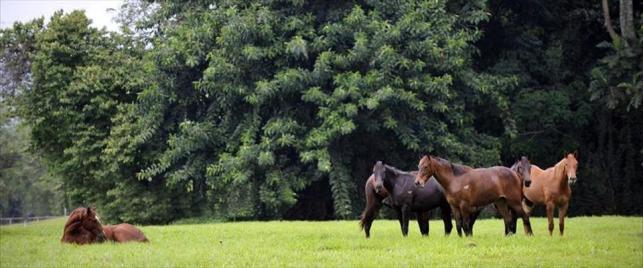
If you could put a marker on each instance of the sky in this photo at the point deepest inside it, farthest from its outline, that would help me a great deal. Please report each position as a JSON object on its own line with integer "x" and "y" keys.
{"x": 26, "y": 10}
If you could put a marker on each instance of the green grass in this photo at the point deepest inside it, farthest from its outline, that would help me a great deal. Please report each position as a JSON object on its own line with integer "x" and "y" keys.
{"x": 589, "y": 241}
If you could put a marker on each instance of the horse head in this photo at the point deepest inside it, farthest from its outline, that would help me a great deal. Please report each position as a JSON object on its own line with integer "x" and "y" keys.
{"x": 522, "y": 167}
{"x": 379, "y": 172}
{"x": 425, "y": 170}
{"x": 571, "y": 164}
{"x": 83, "y": 226}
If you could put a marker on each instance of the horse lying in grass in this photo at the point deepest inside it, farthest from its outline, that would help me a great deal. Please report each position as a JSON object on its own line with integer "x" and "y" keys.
{"x": 405, "y": 198}
{"x": 83, "y": 227}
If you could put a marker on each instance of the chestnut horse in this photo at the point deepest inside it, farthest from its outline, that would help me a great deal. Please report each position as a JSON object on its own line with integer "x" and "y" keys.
{"x": 404, "y": 198}
{"x": 551, "y": 188}
{"x": 469, "y": 190}
{"x": 83, "y": 227}
{"x": 123, "y": 232}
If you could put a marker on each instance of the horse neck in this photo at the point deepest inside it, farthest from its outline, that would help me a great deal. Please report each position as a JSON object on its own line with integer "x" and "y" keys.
{"x": 559, "y": 174}
{"x": 444, "y": 173}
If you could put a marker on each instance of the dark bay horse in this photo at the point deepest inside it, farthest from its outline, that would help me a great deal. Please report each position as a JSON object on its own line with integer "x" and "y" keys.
{"x": 404, "y": 198}
{"x": 469, "y": 190}
{"x": 83, "y": 227}
{"x": 123, "y": 232}
{"x": 551, "y": 188}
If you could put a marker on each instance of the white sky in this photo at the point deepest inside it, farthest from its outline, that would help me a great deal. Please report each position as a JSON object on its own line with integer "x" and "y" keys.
{"x": 26, "y": 10}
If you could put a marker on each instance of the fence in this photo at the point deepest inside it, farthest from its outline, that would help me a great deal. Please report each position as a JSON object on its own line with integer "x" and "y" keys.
{"x": 24, "y": 220}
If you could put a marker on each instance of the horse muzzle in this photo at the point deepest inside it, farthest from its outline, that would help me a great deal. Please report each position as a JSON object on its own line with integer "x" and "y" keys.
{"x": 527, "y": 183}
{"x": 378, "y": 189}
{"x": 101, "y": 238}
{"x": 571, "y": 181}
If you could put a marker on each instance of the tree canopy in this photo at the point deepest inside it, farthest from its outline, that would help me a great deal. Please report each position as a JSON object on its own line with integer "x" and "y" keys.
{"x": 278, "y": 109}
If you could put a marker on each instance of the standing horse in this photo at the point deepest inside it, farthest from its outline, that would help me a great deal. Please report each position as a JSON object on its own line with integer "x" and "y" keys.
{"x": 387, "y": 181}
{"x": 123, "y": 232}
{"x": 522, "y": 169}
{"x": 469, "y": 190}
{"x": 83, "y": 227}
{"x": 551, "y": 188}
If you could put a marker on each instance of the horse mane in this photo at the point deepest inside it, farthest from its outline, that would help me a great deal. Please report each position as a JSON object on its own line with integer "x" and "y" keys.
{"x": 458, "y": 169}
{"x": 77, "y": 215}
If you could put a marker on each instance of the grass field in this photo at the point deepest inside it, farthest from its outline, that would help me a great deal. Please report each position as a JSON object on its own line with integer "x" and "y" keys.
{"x": 588, "y": 242}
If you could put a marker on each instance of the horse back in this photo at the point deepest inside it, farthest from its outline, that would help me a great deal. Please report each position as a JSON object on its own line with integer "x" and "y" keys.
{"x": 124, "y": 232}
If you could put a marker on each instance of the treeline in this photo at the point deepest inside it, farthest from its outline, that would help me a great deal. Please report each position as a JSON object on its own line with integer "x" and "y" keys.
{"x": 278, "y": 109}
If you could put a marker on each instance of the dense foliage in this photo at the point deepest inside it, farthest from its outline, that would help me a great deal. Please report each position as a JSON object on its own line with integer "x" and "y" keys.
{"x": 278, "y": 109}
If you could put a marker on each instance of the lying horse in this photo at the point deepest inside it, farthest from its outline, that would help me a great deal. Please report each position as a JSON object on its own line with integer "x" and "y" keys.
{"x": 123, "y": 232}
{"x": 551, "y": 188}
{"x": 469, "y": 190}
{"x": 387, "y": 181}
{"x": 83, "y": 227}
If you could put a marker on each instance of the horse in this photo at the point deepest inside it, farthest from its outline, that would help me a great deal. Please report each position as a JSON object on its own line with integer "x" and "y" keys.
{"x": 551, "y": 188}
{"x": 83, "y": 227}
{"x": 522, "y": 169}
{"x": 469, "y": 190}
{"x": 404, "y": 198}
{"x": 123, "y": 232}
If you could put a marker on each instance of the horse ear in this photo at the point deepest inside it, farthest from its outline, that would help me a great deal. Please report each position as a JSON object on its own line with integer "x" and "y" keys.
{"x": 576, "y": 154}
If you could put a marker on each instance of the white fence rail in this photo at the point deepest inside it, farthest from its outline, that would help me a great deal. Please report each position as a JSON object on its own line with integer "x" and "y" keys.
{"x": 25, "y": 220}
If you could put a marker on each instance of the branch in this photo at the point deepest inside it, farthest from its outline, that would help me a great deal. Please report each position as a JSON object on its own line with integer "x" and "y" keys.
{"x": 608, "y": 21}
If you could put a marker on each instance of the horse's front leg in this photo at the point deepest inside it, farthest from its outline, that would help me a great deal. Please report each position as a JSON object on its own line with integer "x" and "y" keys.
{"x": 458, "y": 219}
{"x": 550, "y": 217}
{"x": 403, "y": 218}
{"x": 423, "y": 222}
{"x": 446, "y": 218}
{"x": 466, "y": 221}
{"x": 562, "y": 212}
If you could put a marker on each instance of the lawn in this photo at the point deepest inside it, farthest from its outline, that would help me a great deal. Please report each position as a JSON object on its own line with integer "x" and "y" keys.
{"x": 608, "y": 241}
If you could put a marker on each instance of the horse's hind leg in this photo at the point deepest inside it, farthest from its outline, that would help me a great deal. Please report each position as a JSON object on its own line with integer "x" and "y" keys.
{"x": 423, "y": 222}
{"x": 446, "y": 218}
{"x": 373, "y": 205}
{"x": 562, "y": 212}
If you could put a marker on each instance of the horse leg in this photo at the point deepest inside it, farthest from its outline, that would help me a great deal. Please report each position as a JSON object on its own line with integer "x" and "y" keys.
{"x": 423, "y": 222}
{"x": 473, "y": 217}
{"x": 501, "y": 206}
{"x": 517, "y": 210}
{"x": 562, "y": 212}
{"x": 373, "y": 205}
{"x": 446, "y": 218}
{"x": 466, "y": 222}
{"x": 458, "y": 220}
{"x": 550, "y": 217}
{"x": 405, "y": 220}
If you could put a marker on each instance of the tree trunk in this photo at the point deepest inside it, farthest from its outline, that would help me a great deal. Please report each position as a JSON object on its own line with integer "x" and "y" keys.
{"x": 608, "y": 21}
{"x": 627, "y": 21}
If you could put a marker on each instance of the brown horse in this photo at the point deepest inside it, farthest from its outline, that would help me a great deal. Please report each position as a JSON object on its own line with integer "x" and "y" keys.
{"x": 469, "y": 190}
{"x": 551, "y": 188}
{"x": 123, "y": 232}
{"x": 83, "y": 227}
